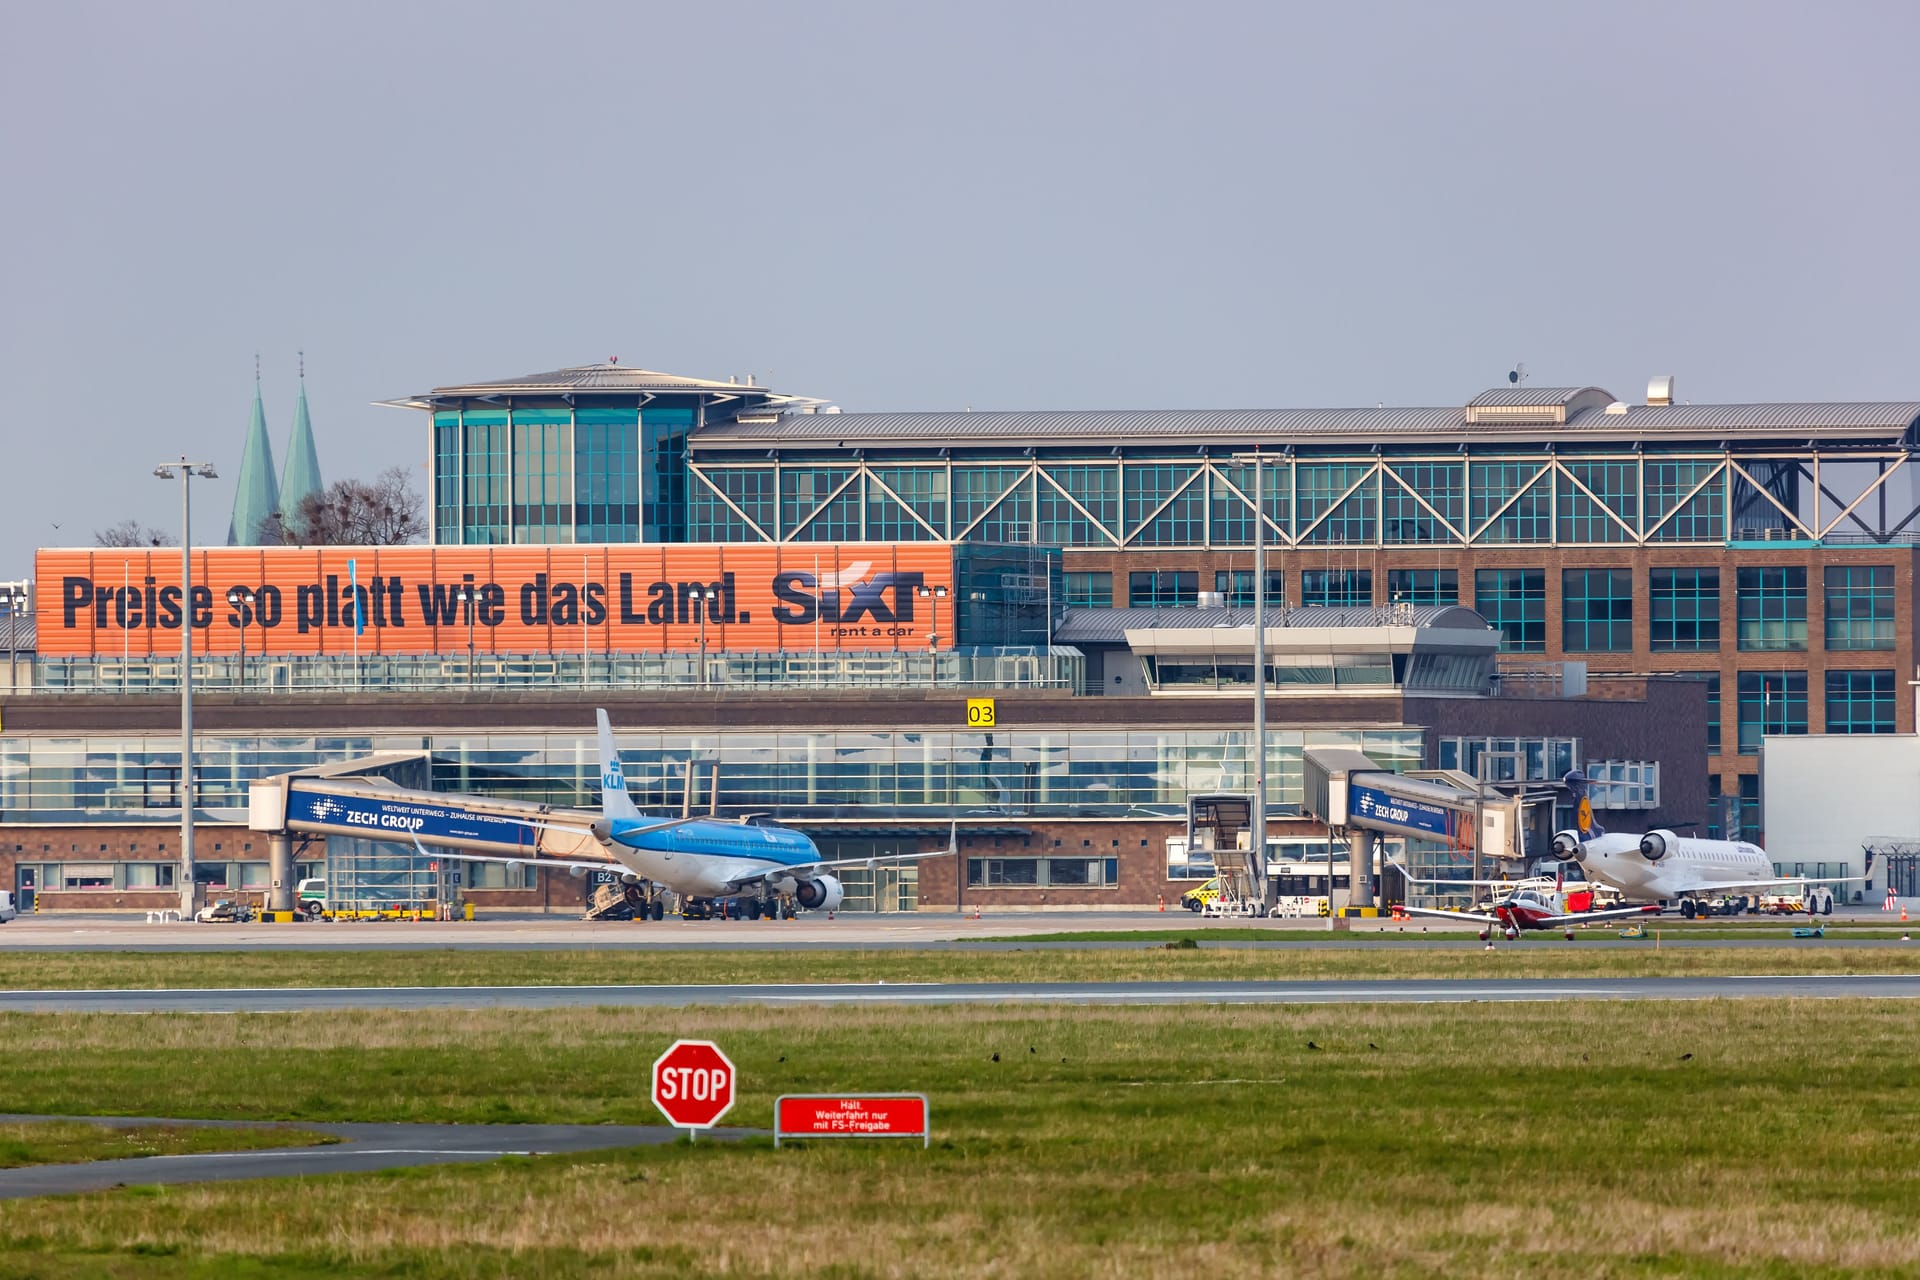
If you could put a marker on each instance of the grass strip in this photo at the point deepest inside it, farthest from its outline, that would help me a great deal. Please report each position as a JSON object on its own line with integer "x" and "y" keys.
{"x": 1767, "y": 1138}
{"x": 1154, "y": 961}
{"x": 74, "y": 1142}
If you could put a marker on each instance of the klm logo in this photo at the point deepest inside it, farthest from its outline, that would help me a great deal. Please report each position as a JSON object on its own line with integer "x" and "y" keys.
{"x": 612, "y": 779}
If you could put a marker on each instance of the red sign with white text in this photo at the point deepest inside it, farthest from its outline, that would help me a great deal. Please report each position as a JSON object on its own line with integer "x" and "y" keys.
{"x": 896, "y": 1115}
{"x": 693, "y": 1084}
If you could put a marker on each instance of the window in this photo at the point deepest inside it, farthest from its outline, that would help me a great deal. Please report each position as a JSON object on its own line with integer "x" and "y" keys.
{"x": 1743, "y": 813}
{"x": 1773, "y": 609}
{"x": 1163, "y": 589}
{"x": 1423, "y": 586}
{"x": 1683, "y": 613}
{"x": 1771, "y": 702}
{"x": 1859, "y": 702}
{"x": 497, "y": 875}
{"x": 1337, "y": 588}
{"x": 1624, "y": 784}
{"x": 1514, "y": 600}
{"x": 1237, "y": 586}
{"x": 1596, "y": 610}
{"x": 1715, "y": 826}
{"x": 1088, "y": 590}
{"x": 1041, "y": 873}
{"x": 1859, "y": 606}
{"x": 150, "y": 875}
{"x": 1511, "y": 759}
{"x": 1713, "y": 715}
{"x": 86, "y": 875}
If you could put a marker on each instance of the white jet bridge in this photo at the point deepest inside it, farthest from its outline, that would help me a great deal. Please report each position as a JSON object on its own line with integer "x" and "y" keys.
{"x": 1361, "y": 801}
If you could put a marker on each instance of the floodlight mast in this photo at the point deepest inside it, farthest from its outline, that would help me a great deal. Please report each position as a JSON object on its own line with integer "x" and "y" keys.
{"x": 186, "y": 471}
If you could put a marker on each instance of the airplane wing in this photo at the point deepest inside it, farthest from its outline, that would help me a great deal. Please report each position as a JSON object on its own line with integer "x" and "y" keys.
{"x": 1473, "y": 916}
{"x": 1509, "y": 882}
{"x": 1611, "y": 913}
{"x": 531, "y": 860}
{"x": 1723, "y": 886}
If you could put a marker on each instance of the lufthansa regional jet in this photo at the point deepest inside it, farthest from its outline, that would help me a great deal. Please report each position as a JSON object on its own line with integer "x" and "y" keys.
{"x": 704, "y": 857}
{"x": 1664, "y": 866}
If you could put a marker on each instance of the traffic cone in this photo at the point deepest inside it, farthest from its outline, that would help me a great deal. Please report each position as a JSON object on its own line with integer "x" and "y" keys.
{"x": 1163, "y": 902}
{"x": 1903, "y": 913}
{"x": 976, "y": 911}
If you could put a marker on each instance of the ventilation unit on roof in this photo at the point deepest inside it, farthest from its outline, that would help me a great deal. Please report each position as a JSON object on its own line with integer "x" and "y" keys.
{"x": 1617, "y": 407}
{"x": 1660, "y": 389}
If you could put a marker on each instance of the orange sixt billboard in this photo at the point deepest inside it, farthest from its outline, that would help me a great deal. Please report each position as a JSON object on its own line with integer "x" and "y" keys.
{"x": 607, "y": 599}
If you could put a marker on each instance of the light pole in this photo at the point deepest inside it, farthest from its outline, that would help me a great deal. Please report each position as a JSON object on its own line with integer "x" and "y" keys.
{"x": 242, "y": 601}
{"x": 1257, "y": 810}
{"x": 466, "y": 595}
{"x": 933, "y": 595}
{"x": 699, "y": 596}
{"x": 16, "y": 601}
{"x": 186, "y": 471}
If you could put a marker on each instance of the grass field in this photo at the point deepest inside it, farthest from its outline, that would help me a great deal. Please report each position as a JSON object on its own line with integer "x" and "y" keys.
{"x": 1708, "y": 1138}
{"x": 72, "y": 1142}
{"x": 1541, "y": 958}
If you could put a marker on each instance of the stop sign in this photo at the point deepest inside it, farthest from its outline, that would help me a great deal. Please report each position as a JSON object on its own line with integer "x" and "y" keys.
{"x": 693, "y": 1084}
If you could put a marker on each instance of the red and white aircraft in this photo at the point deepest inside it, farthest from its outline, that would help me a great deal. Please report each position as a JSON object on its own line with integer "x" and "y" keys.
{"x": 1528, "y": 910}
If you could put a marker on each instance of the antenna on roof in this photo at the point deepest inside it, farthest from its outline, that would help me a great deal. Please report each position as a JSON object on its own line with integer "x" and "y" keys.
{"x": 1517, "y": 374}
{"x": 613, "y": 359}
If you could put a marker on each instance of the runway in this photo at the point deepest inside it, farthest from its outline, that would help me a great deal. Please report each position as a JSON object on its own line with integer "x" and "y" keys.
{"x": 362, "y": 1148}
{"x": 1328, "y": 991}
{"x": 916, "y": 931}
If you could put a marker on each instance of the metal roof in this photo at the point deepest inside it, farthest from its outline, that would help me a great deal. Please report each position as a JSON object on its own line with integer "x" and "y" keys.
{"x": 1109, "y": 626}
{"x": 590, "y": 377}
{"x": 1504, "y": 396}
{"x": 1884, "y": 422}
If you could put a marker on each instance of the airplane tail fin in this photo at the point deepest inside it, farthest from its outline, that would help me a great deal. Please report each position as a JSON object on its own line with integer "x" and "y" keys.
{"x": 614, "y": 800}
{"x": 1583, "y": 819}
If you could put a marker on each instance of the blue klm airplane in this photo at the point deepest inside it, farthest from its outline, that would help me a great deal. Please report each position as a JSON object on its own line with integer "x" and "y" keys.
{"x": 703, "y": 857}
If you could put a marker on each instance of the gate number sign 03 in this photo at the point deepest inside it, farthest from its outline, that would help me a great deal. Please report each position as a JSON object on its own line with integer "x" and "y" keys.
{"x": 874, "y": 1115}
{"x": 980, "y": 713}
{"x": 693, "y": 1084}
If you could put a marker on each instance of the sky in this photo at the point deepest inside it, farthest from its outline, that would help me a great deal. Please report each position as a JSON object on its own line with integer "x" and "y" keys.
{"x": 923, "y": 206}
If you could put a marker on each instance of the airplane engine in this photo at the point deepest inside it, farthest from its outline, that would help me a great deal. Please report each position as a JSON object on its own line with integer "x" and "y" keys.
{"x": 1567, "y": 847}
{"x": 576, "y": 871}
{"x": 602, "y": 830}
{"x": 628, "y": 877}
{"x": 1655, "y": 844}
{"x": 820, "y": 894}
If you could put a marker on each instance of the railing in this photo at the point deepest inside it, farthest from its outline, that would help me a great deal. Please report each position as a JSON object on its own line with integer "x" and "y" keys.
{"x": 1001, "y": 668}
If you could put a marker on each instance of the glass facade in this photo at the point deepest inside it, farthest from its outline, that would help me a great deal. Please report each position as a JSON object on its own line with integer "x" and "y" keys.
{"x": 1860, "y": 701}
{"x": 1423, "y": 586}
{"x": 1859, "y": 606}
{"x": 1514, "y": 600}
{"x": 821, "y": 774}
{"x": 1773, "y": 609}
{"x": 1236, "y": 586}
{"x": 1683, "y": 613}
{"x": 1771, "y": 702}
{"x": 1596, "y": 610}
{"x": 1088, "y": 590}
{"x": 1163, "y": 589}
{"x": 555, "y": 473}
{"x": 1337, "y": 588}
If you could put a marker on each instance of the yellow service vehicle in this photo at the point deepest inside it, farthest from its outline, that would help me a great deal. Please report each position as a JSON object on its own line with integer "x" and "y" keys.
{"x": 1197, "y": 899}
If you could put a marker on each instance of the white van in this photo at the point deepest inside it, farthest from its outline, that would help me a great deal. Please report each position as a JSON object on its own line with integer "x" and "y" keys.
{"x": 7, "y": 911}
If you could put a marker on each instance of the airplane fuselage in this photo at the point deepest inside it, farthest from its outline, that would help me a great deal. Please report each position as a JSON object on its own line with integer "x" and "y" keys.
{"x": 1688, "y": 866}
{"x": 706, "y": 858}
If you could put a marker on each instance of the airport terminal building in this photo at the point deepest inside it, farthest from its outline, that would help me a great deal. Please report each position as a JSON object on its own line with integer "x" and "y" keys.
{"x": 800, "y": 600}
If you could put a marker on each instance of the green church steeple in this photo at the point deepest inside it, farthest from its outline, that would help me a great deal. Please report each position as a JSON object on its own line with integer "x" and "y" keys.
{"x": 302, "y": 477}
{"x": 256, "y": 497}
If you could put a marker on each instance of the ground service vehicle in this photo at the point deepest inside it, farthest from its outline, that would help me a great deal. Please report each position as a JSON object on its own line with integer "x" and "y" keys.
{"x": 7, "y": 910}
{"x": 310, "y": 898}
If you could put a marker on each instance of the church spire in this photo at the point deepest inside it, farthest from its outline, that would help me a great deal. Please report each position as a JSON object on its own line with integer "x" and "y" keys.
{"x": 256, "y": 497}
{"x": 302, "y": 477}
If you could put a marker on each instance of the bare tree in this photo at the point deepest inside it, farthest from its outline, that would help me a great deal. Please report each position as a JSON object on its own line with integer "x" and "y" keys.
{"x": 383, "y": 512}
{"x": 131, "y": 533}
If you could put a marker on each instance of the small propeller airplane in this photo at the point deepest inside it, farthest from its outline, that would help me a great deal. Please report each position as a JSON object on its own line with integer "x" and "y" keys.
{"x": 702, "y": 857}
{"x": 1528, "y": 905}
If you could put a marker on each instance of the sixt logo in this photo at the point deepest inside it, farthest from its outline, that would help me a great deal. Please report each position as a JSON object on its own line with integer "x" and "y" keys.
{"x": 843, "y": 597}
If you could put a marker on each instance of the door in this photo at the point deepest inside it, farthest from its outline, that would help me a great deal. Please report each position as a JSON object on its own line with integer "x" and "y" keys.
{"x": 26, "y": 880}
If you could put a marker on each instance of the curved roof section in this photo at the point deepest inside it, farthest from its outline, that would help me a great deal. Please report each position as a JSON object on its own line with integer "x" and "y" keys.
{"x": 1877, "y": 422}
{"x": 1109, "y": 626}
{"x": 588, "y": 377}
{"x": 1509, "y": 396}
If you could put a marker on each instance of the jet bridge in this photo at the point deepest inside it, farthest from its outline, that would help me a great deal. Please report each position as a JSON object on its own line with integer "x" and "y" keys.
{"x": 1362, "y": 801}
{"x": 362, "y": 799}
